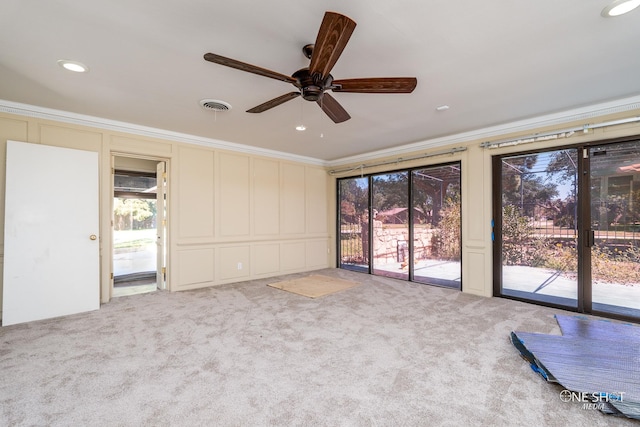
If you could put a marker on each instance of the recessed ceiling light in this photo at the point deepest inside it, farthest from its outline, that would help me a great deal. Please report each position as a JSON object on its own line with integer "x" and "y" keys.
{"x": 619, "y": 7}
{"x": 442, "y": 108}
{"x": 75, "y": 66}
{"x": 301, "y": 128}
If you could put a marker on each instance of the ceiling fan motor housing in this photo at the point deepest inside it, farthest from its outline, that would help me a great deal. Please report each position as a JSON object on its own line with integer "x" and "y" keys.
{"x": 312, "y": 87}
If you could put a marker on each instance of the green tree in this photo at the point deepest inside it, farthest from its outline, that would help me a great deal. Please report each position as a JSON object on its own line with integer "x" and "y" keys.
{"x": 427, "y": 196}
{"x": 446, "y": 240}
{"x": 528, "y": 192}
{"x": 517, "y": 232}
{"x": 563, "y": 166}
{"x": 391, "y": 191}
{"x": 133, "y": 214}
{"x": 354, "y": 199}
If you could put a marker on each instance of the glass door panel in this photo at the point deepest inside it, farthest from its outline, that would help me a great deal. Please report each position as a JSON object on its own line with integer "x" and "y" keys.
{"x": 391, "y": 225}
{"x": 134, "y": 240}
{"x": 539, "y": 258}
{"x": 354, "y": 223}
{"x": 615, "y": 228}
{"x": 436, "y": 225}
{"x": 134, "y": 229}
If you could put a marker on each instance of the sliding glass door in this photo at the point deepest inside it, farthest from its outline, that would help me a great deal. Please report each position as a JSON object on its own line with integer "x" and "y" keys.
{"x": 403, "y": 224}
{"x": 567, "y": 228}
{"x": 538, "y": 226}
{"x": 436, "y": 225}
{"x": 614, "y": 238}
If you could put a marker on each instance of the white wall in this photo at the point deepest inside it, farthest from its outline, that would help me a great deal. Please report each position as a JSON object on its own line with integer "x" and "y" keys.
{"x": 231, "y": 216}
{"x": 245, "y": 217}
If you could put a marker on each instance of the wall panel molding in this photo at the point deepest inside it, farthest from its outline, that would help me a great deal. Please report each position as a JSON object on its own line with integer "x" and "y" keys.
{"x": 195, "y": 267}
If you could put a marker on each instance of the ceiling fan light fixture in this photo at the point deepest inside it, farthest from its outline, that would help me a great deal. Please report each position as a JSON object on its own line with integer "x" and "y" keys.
{"x": 619, "y": 7}
{"x": 75, "y": 66}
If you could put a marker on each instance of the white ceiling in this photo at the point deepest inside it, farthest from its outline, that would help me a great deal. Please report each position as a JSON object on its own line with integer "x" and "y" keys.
{"x": 493, "y": 62}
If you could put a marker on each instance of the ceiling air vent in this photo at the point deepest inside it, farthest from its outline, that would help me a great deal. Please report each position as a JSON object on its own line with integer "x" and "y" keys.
{"x": 215, "y": 105}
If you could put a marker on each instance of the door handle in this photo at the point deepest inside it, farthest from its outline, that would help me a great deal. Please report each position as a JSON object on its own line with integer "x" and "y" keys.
{"x": 590, "y": 238}
{"x": 93, "y": 237}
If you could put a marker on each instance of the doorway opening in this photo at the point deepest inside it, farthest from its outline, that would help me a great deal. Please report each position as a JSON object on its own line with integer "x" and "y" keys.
{"x": 138, "y": 226}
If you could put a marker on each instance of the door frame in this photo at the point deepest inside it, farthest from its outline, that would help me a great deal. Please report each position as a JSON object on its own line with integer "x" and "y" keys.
{"x": 167, "y": 235}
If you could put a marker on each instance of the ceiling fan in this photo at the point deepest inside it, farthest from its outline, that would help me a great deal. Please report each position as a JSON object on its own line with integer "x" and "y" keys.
{"x": 313, "y": 82}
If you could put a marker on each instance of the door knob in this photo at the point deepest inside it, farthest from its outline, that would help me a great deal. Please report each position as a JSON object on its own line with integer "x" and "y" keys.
{"x": 93, "y": 237}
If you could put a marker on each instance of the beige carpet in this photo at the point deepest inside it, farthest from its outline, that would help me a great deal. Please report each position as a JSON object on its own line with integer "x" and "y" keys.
{"x": 314, "y": 286}
{"x": 387, "y": 353}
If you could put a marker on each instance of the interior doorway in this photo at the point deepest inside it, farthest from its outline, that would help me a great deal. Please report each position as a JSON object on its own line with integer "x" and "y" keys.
{"x": 139, "y": 225}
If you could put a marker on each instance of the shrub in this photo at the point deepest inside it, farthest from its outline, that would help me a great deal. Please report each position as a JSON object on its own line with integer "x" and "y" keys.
{"x": 615, "y": 265}
{"x": 517, "y": 232}
{"x": 446, "y": 238}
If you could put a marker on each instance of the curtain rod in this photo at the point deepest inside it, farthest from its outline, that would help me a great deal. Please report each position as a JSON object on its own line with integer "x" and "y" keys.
{"x": 564, "y": 133}
{"x": 398, "y": 160}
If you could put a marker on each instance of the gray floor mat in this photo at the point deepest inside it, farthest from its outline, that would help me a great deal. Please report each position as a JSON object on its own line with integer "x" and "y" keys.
{"x": 595, "y": 357}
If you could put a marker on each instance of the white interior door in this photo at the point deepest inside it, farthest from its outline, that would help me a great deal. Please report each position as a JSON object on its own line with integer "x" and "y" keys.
{"x": 51, "y": 259}
{"x": 161, "y": 184}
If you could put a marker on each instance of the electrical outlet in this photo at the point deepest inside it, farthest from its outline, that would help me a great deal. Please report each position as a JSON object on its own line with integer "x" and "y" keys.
{"x": 239, "y": 266}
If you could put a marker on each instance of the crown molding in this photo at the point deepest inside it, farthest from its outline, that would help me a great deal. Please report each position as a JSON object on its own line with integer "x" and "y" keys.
{"x": 555, "y": 119}
{"x": 117, "y": 126}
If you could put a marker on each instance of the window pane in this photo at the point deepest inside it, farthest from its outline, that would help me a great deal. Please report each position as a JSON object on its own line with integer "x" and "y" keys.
{"x": 539, "y": 227}
{"x": 436, "y": 225}
{"x": 615, "y": 221}
{"x": 354, "y": 223}
{"x": 134, "y": 240}
{"x": 391, "y": 225}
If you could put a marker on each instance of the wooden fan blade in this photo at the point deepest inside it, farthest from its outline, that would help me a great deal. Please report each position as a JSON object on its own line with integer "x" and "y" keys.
{"x": 212, "y": 57}
{"x": 274, "y": 102}
{"x": 332, "y": 38}
{"x": 333, "y": 109}
{"x": 377, "y": 85}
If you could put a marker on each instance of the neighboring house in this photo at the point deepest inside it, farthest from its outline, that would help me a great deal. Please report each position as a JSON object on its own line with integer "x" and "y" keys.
{"x": 400, "y": 216}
